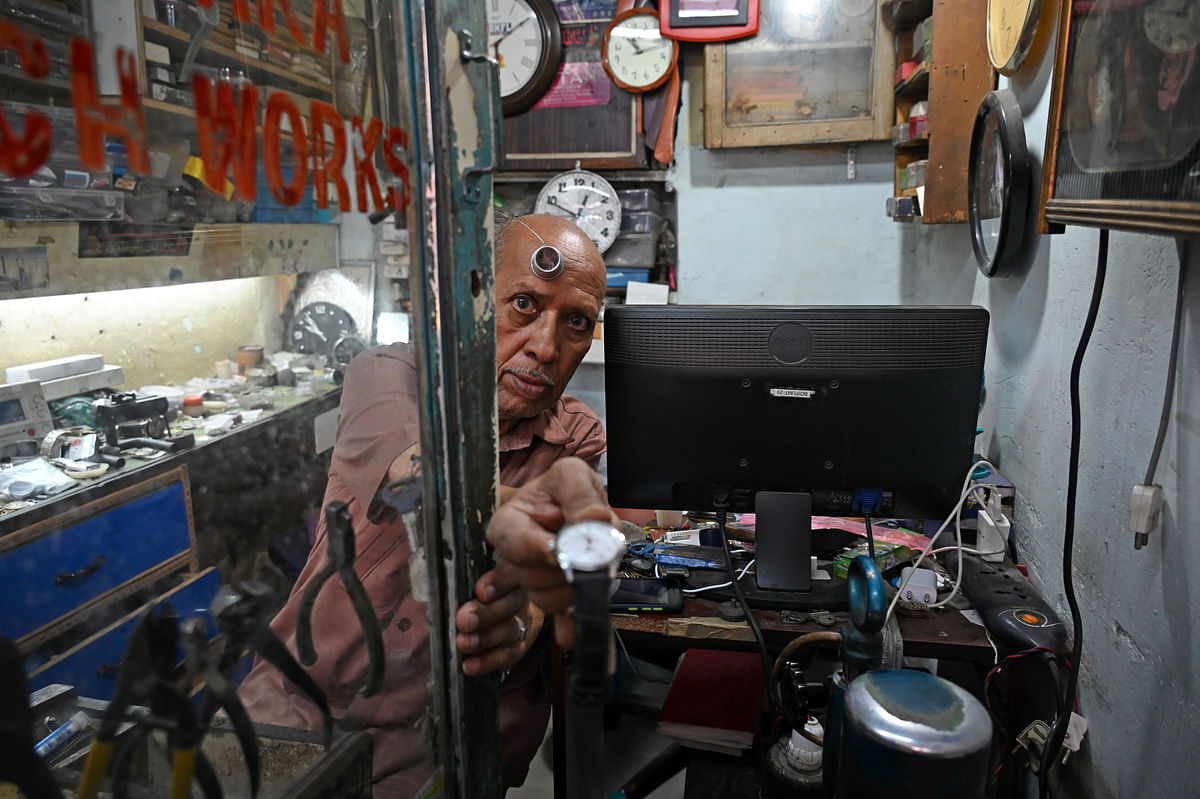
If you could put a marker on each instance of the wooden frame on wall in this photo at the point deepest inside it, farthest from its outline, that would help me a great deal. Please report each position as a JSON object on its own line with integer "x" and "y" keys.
{"x": 781, "y": 46}
{"x": 1123, "y": 136}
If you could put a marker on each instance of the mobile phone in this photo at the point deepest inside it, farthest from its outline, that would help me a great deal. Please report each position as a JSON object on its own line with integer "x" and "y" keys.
{"x": 645, "y": 595}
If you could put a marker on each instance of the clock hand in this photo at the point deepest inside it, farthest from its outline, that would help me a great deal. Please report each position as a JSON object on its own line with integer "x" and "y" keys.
{"x": 312, "y": 327}
{"x": 511, "y": 31}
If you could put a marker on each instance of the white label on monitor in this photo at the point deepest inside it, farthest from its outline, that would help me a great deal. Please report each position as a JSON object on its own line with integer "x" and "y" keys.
{"x": 794, "y": 393}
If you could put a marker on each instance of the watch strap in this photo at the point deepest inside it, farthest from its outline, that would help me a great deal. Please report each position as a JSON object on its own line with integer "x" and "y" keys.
{"x": 591, "y": 621}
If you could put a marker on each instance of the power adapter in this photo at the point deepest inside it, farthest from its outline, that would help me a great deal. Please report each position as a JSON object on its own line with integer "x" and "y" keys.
{"x": 991, "y": 538}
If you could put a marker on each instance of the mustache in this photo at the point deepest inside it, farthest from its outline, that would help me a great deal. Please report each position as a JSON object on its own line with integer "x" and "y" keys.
{"x": 532, "y": 374}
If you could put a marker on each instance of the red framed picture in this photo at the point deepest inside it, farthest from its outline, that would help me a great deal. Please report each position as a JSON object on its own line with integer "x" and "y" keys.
{"x": 709, "y": 20}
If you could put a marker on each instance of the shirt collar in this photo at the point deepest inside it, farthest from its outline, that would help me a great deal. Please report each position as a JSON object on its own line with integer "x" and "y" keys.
{"x": 546, "y": 426}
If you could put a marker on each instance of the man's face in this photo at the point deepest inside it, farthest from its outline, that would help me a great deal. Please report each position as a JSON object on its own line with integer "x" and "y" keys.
{"x": 543, "y": 327}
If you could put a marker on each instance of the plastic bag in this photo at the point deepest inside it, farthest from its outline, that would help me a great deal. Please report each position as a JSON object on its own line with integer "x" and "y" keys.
{"x": 32, "y": 479}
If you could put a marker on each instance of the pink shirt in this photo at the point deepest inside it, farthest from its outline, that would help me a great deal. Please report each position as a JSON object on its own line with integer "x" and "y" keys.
{"x": 379, "y": 421}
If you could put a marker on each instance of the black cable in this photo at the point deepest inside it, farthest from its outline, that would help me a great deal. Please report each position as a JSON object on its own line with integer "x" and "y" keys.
{"x": 1165, "y": 417}
{"x": 741, "y": 598}
{"x": 870, "y": 536}
{"x": 1058, "y": 730}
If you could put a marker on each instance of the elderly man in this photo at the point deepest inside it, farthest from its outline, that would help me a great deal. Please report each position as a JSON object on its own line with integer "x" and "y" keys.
{"x": 549, "y": 288}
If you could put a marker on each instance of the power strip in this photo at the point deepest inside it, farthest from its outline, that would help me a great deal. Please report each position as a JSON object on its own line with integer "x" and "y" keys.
{"x": 1013, "y": 611}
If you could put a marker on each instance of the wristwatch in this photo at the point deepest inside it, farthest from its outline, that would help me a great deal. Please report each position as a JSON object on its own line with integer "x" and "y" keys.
{"x": 589, "y": 552}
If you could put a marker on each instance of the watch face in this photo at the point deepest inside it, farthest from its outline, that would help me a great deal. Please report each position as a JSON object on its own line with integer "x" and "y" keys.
{"x": 586, "y": 199}
{"x": 1010, "y": 32}
{"x": 635, "y": 54}
{"x": 525, "y": 39}
{"x": 317, "y": 327}
{"x": 588, "y": 546}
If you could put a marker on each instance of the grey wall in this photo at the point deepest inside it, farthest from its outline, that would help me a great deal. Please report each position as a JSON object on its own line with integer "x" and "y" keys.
{"x": 786, "y": 226}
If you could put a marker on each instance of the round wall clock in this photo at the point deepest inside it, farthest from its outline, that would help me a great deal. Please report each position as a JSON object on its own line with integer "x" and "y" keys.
{"x": 317, "y": 327}
{"x": 1012, "y": 25}
{"x": 635, "y": 54}
{"x": 586, "y": 199}
{"x": 525, "y": 38}
{"x": 998, "y": 184}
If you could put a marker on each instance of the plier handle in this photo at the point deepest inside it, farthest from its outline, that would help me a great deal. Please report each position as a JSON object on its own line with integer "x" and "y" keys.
{"x": 241, "y": 614}
{"x": 339, "y": 527}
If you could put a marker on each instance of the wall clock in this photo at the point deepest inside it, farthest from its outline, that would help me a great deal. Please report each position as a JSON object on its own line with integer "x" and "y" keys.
{"x": 998, "y": 185}
{"x": 635, "y": 54}
{"x": 1012, "y": 26}
{"x": 586, "y": 199}
{"x": 317, "y": 327}
{"x": 525, "y": 38}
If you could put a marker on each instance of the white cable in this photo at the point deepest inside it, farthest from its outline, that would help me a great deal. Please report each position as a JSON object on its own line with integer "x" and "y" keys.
{"x": 956, "y": 517}
{"x": 725, "y": 584}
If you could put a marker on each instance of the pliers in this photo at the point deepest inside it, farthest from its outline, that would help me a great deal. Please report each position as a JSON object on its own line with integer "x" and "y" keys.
{"x": 146, "y": 678}
{"x": 220, "y": 691}
{"x": 241, "y": 614}
{"x": 340, "y": 529}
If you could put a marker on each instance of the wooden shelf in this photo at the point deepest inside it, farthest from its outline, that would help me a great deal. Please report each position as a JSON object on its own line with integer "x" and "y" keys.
{"x": 952, "y": 81}
{"x": 263, "y": 73}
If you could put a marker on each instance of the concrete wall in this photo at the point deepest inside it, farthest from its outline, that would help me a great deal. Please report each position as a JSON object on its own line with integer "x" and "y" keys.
{"x": 786, "y": 226}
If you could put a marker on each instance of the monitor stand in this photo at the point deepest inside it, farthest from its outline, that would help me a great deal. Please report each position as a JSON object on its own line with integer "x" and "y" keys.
{"x": 783, "y": 541}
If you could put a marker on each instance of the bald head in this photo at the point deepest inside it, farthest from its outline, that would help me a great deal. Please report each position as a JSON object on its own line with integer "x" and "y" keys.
{"x": 543, "y": 326}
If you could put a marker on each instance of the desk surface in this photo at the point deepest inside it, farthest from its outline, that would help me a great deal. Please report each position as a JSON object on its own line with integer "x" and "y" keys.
{"x": 942, "y": 633}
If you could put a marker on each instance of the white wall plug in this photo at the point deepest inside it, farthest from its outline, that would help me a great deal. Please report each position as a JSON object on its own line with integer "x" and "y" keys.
{"x": 1144, "y": 507}
{"x": 991, "y": 537}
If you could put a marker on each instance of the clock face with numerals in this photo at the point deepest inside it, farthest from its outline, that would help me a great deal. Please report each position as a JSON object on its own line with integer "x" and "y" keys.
{"x": 318, "y": 326}
{"x": 635, "y": 54}
{"x": 586, "y": 199}
{"x": 525, "y": 38}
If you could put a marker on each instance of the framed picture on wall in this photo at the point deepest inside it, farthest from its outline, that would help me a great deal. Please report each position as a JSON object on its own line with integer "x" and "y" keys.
{"x": 1123, "y": 137}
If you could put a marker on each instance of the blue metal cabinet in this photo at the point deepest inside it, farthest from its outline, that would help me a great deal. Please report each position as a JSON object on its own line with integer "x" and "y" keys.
{"x": 63, "y": 570}
{"x": 92, "y": 665}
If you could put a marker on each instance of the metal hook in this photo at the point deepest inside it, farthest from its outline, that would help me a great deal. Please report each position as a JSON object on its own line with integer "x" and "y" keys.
{"x": 464, "y": 49}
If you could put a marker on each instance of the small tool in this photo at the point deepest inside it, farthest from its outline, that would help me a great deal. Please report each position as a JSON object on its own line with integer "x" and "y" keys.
{"x": 220, "y": 691}
{"x": 241, "y": 614}
{"x": 340, "y": 529}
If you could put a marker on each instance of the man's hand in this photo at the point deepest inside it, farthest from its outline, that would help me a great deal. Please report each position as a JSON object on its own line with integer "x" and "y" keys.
{"x": 523, "y": 527}
{"x": 496, "y": 629}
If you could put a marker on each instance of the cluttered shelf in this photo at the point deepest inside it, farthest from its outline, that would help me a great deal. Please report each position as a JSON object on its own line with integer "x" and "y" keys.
{"x": 237, "y": 457}
{"x": 263, "y": 72}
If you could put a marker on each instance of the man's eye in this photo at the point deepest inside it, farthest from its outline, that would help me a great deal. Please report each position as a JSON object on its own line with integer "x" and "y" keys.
{"x": 522, "y": 303}
{"x": 580, "y": 322}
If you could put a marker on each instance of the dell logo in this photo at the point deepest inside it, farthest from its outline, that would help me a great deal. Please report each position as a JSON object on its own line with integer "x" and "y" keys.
{"x": 790, "y": 343}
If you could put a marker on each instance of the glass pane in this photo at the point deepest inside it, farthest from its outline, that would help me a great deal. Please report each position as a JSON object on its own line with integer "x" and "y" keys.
{"x": 200, "y": 275}
{"x": 812, "y": 60}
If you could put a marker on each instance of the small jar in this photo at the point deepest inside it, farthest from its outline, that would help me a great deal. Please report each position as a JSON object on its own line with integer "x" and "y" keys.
{"x": 193, "y": 405}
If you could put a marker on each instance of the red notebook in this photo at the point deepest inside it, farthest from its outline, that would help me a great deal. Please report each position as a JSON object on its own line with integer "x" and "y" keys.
{"x": 714, "y": 700}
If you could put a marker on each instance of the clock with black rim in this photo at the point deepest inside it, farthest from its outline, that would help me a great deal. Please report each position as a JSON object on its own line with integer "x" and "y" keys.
{"x": 318, "y": 327}
{"x": 525, "y": 38}
{"x": 636, "y": 56}
{"x": 586, "y": 199}
{"x": 999, "y": 177}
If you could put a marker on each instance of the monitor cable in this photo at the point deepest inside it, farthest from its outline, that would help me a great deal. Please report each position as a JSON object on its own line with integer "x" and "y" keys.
{"x": 1058, "y": 730}
{"x": 768, "y": 661}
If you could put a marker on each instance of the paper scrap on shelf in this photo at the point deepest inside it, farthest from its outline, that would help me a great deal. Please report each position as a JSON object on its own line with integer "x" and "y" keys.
{"x": 637, "y": 293}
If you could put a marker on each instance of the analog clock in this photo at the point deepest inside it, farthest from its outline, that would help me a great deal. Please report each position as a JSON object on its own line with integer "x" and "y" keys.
{"x": 635, "y": 54}
{"x": 317, "y": 327}
{"x": 999, "y": 176}
{"x": 1012, "y": 25}
{"x": 526, "y": 40}
{"x": 586, "y": 199}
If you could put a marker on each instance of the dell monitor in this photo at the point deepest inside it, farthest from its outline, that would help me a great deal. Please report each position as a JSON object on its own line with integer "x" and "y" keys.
{"x": 790, "y": 410}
